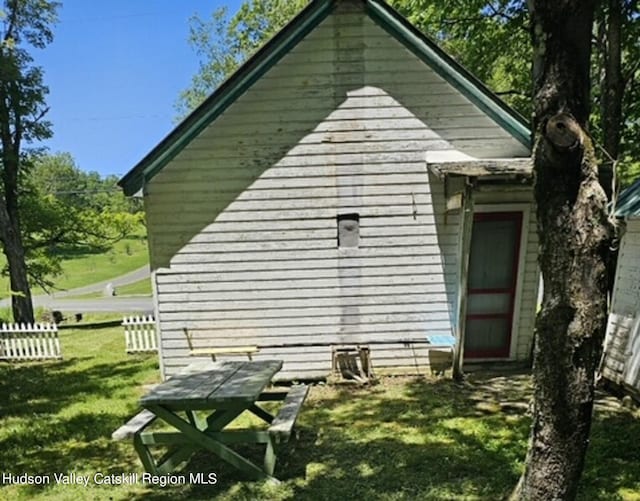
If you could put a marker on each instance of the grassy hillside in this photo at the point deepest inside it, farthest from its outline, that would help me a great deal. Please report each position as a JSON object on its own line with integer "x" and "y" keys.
{"x": 84, "y": 267}
{"x": 140, "y": 288}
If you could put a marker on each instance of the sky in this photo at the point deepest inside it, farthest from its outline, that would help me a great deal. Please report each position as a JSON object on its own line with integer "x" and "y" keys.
{"x": 114, "y": 72}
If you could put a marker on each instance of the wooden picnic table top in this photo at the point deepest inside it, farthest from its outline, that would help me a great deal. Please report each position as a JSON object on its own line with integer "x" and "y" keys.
{"x": 217, "y": 385}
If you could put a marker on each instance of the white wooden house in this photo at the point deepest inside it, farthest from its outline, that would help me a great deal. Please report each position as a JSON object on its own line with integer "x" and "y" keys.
{"x": 621, "y": 357}
{"x": 335, "y": 190}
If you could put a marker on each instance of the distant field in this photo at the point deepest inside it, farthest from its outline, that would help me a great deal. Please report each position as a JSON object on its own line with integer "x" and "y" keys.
{"x": 85, "y": 268}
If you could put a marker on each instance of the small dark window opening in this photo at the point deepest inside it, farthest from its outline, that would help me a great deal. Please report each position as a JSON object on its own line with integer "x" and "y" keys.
{"x": 348, "y": 230}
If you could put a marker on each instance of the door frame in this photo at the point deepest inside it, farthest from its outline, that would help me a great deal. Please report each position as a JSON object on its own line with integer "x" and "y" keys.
{"x": 525, "y": 209}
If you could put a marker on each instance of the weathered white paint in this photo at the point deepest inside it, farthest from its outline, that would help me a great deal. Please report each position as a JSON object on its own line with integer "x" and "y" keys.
{"x": 621, "y": 359}
{"x": 242, "y": 222}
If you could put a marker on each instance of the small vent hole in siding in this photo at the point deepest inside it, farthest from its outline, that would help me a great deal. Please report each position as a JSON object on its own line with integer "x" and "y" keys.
{"x": 348, "y": 230}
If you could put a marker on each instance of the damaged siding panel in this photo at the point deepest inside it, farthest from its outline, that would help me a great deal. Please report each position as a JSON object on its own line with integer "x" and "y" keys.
{"x": 622, "y": 349}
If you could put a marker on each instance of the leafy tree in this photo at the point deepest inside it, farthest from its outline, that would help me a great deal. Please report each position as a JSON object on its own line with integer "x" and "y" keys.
{"x": 58, "y": 175}
{"x": 223, "y": 43}
{"x": 490, "y": 38}
{"x": 616, "y": 68}
{"x": 64, "y": 209}
{"x": 24, "y": 24}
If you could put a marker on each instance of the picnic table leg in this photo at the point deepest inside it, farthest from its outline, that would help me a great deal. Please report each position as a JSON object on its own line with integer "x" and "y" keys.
{"x": 196, "y": 420}
{"x": 270, "y": 457}
{"x": 261, "y": 413}
{"x": 194, "y": 435}
{"x": 145, "y": 455}
{"x": 221, "y": 418}
{"x": 178, "y": 453}
{"x": 174, "y": 458}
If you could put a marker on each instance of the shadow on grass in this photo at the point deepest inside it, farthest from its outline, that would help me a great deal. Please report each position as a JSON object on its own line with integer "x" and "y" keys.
{"x": 59, "y": 416}
{"x": 77, "y": 251}
{"x": 49, "y": 387}
{"x": 404, "y": 439}
{"x": 412, "y": 439}
{"x": 91, "y": 326}
{"x": 418, "y": 439}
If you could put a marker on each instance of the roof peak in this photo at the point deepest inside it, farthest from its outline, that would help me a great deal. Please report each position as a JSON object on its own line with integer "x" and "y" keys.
{"x": 285, "y": 40}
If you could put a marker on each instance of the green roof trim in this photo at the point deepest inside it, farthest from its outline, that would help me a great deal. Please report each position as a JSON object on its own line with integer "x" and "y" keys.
{"x": 225, "y": 95}
{"x": 287, "y": 38}
{"x": 628, "y": 203}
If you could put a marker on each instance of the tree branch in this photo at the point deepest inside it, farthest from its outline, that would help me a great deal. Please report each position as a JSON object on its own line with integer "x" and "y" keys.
{"x": 511, "y": 92}
{"x": 13, "y": 19}
{"x": 631, "y": 73}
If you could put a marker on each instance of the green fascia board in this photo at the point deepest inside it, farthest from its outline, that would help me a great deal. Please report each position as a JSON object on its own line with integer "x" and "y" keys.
{"x": 269, "y": 55}
{"x": 449, "y": 69}
{"x": 628, "y": 203}
{"x": 264, "y": 59}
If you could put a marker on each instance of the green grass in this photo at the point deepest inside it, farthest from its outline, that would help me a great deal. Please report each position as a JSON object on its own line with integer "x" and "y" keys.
{"x": 85, "y": 268}
{"x": 403, "y": 439}
{"x": 140, "y": 288}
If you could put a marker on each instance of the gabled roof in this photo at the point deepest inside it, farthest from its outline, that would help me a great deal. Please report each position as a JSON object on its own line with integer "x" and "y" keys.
{"x": 628, "y": 203}
{"x": 269, "y": 55}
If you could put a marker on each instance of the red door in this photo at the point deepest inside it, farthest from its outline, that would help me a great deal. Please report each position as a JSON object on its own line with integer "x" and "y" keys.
{"x": 493, "y": 275}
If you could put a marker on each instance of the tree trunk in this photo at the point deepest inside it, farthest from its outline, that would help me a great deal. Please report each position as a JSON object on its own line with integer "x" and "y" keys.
{"x": 10, "y": 229}
{"x": 21, "y": 304}
{"x": 574, "y": 234}
{"x": 612, "y": 92}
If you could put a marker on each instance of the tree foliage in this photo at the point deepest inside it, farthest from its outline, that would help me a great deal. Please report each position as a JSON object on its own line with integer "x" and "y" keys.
{"x": 24, "y": 25}
{"x": 47, "y": 204}
{"x": 224, "y": 42}
{"x": 489, "y": 38}
{"x": 65, "y": 209}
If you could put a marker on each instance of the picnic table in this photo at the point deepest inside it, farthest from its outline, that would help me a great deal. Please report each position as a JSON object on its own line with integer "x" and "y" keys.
{"x": 201, "y": 402}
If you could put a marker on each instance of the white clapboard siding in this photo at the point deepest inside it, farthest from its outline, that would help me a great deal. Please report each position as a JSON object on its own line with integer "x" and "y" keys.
{"x": 210, "y": 169}
{"x": 140, "y": 334}
{"x": 621, "y": 358}
{"x": 255, "y": 276}
{"x": 242, "y": 221}
{"x": 25, "y": 341}
{"x": 296, "y": 306}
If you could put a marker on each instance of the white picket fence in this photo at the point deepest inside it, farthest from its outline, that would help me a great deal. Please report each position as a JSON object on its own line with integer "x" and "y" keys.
{"x": 140, "y": 334}
{"x": 38, "y": 341}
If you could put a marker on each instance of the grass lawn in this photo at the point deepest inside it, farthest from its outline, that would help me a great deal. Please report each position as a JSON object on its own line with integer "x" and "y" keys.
{"x": 139, "y": 288}
{"x": 403, "y": 439}
{"x": 85, "y": 268}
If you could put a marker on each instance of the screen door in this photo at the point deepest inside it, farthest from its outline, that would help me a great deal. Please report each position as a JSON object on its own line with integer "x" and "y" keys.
{"x": 493, "y": 273}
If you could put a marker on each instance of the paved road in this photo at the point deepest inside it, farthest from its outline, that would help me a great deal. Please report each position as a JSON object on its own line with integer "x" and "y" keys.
{"x": 142, "y": 305}
{"x": 59, "y": 301}
{"x": 129, "y": 278}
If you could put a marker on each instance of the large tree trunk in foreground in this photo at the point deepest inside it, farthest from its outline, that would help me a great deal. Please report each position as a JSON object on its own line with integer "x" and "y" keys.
{"x": 574, "y": 234}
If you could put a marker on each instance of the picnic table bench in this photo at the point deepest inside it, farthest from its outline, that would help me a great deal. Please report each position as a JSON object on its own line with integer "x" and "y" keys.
{"x": 221, "y": 391}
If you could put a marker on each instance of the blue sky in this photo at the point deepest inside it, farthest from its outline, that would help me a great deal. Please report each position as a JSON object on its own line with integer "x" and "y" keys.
{"x": 114, "y": 72}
